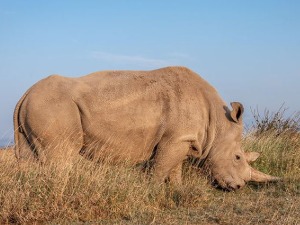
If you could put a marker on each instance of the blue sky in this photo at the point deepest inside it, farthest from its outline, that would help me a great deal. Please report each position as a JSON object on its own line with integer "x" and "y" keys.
{"x": 248, "y": 50}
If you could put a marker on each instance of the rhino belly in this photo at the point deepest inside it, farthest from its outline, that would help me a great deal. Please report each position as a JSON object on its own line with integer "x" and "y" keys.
{"x": 122, "y": 134}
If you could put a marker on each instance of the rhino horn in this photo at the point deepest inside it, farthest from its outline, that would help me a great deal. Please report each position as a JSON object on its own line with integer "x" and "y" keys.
{"x": 258, "y": 176}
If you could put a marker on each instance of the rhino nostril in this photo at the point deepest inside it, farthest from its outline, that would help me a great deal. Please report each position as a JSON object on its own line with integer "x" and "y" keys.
{"x": 235, "y": 187}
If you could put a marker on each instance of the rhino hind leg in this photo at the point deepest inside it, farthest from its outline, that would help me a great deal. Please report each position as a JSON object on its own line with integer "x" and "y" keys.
{"x": 168, "y": 161}
{"x": 60, "y": 145}
{"x": 61, "y": 150}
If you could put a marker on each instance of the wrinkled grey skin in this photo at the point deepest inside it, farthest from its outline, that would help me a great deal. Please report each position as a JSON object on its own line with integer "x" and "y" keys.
{"x": 125, "y": 115}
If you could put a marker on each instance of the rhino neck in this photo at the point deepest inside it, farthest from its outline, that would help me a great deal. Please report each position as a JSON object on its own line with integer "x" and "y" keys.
{"x": 216, "y": 127}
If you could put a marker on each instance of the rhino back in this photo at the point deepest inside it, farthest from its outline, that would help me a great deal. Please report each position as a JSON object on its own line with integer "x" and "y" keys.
{"x": 132, "y": 110}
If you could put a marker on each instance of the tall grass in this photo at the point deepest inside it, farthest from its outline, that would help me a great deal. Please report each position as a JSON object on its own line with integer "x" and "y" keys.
{"x": 84, "y": 192}
{"x": 275, "y": 122}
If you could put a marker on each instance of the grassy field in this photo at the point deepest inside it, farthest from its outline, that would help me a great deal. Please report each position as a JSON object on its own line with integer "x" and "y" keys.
{"x": 82, "y": 192}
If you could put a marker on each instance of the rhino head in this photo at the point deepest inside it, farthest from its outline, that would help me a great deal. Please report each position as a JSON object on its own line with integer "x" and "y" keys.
{"x": 227, "y": 163}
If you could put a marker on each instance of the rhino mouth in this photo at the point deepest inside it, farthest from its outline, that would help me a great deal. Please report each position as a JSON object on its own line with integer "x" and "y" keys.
{"x": 217, "y": 186}
{"x": 223, "y": 186}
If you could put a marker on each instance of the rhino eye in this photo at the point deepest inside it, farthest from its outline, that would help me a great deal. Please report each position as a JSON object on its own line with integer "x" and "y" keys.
{"x": 237, "y": 157}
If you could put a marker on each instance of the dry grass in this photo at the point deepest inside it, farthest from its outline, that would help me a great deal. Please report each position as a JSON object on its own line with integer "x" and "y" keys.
{"x": 83, "y": 192}
{"x": 276, "y": 122}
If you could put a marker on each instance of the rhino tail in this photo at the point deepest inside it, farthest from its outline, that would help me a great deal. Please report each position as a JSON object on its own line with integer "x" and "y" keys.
{"x": 21, "y": 142}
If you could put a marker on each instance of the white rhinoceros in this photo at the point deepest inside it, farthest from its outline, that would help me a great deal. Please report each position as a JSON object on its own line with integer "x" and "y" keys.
{"x": 169, "y": 113}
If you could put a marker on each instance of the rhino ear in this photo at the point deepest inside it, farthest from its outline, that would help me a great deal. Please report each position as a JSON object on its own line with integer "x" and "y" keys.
{"x": 237, "y": 111}
{"x": 251, "y": 156}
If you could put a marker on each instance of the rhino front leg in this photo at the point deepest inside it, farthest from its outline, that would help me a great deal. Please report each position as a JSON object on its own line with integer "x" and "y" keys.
{"x": 168, "y": 161}
{"x": 176, "y": 175}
